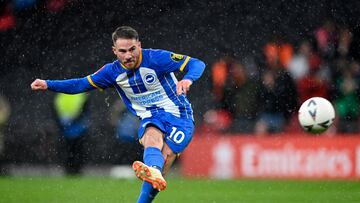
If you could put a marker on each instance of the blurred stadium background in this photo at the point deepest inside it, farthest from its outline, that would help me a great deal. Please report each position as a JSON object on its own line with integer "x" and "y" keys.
{"x": 59, "y": 39}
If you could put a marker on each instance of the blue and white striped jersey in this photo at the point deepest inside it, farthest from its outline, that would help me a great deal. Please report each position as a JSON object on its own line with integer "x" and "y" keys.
{"x": 151, "y": 87}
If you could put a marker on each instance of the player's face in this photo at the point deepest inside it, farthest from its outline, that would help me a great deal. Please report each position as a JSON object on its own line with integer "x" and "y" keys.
{"x": 127, "y": 51}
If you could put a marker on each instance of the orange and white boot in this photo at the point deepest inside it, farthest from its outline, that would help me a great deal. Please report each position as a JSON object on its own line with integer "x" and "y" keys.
{"x": 150, "y": 175}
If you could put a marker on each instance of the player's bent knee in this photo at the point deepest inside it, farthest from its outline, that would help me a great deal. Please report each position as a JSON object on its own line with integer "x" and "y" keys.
{"x": 153, "y": 137}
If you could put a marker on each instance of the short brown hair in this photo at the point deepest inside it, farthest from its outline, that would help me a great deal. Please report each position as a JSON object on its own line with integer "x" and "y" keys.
{"x": 125, "y": 32}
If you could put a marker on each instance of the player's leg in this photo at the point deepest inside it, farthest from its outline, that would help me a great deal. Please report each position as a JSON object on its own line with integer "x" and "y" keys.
{"x": 153, "y": 137}
{"x": 150, "y": 170}
{"x": 169, "y": 157}
{"x": 148, "y": 193}
{"x": 178, "y": 135}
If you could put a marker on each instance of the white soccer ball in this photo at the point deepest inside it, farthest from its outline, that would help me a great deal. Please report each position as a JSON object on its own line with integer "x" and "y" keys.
{"x": 316, "y": 115}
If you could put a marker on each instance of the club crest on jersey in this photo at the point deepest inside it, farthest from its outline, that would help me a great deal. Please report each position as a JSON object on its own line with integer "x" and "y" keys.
{"x": 150, "y": 78}
{"x": 176, "y": 57}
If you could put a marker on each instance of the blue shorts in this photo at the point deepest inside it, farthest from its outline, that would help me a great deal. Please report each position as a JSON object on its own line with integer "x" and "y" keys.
{"x": 178, "y": 131}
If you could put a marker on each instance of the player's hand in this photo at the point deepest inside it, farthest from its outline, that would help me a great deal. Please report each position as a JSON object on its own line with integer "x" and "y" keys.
{"x": 183, "y": 86}
{"x": 39, "y": 84}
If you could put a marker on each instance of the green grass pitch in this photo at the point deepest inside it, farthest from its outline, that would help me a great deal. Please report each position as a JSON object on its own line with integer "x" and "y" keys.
{"x": 88, "y": 190}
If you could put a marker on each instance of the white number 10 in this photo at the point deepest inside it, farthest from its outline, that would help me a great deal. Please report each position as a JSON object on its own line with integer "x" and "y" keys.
{"x": 178, "y": 136}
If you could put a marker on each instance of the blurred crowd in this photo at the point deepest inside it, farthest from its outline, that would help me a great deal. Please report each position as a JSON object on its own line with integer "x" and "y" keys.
{"x": 264, "y": 98}
{"x": 8, "y": 10}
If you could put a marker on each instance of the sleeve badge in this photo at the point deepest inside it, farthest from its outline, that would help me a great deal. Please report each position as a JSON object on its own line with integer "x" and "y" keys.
{"x": 176, "y": 57}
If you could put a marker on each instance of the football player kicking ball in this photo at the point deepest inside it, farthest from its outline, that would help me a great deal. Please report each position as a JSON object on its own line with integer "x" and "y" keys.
{"x": 145, "y": 81}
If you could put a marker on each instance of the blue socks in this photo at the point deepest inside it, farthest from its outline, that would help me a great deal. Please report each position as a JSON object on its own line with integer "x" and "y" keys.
{"x": 152, "y": 157}
{"x": 147, "y": 194}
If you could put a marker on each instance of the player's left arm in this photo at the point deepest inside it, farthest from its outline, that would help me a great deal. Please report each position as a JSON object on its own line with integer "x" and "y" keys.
{"x": 168, "y": 62}
{"x": 194, "y": 68}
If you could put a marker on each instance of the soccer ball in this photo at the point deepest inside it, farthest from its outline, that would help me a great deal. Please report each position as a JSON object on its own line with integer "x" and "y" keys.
{"x": 316, "y": 115}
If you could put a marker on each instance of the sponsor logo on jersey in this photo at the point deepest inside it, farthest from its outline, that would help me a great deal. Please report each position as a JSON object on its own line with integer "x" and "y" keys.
{"x": 176, "y": 57}
{"x": 148, "y": 99}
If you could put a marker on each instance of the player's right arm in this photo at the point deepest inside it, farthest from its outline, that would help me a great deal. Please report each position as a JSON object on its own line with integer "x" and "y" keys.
{"x": 71, "y": 86}
{"x": 99, "y": 80}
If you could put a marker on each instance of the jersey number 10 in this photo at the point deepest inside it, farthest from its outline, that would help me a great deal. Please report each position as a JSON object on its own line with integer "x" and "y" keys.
{"x": 177, "y": 135}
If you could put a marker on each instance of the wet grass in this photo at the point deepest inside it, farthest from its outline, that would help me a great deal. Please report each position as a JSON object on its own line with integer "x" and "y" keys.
{"x": 88, "y": 190}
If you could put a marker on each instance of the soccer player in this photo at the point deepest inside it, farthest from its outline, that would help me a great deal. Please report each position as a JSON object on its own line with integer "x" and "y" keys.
{"x": 145, "y": 81}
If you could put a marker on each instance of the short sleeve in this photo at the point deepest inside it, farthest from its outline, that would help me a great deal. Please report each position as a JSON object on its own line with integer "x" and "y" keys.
{"x": 167, "y": 61}
{"x": 101, "y": 79}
